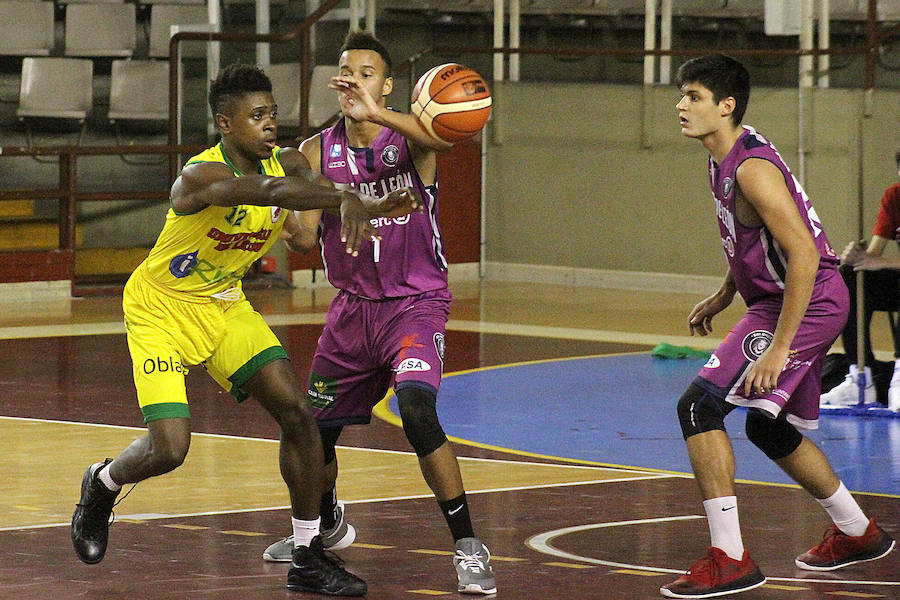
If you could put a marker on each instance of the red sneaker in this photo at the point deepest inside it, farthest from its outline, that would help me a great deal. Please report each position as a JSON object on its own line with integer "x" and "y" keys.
{"x": 838, "y": 549}
{"x": 715, "y": 574}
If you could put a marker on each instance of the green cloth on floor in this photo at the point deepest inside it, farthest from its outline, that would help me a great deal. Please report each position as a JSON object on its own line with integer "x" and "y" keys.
{"x": 670, "y": 351}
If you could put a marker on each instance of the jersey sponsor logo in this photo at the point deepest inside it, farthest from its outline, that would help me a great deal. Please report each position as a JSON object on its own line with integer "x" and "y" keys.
{"x": 183, "y": 264}
{"x": 323, "y": 391}
{"x": 712, "y": 363}
{"x": 276, "y": 213}
{"x": 439, "y": 344}
{"x": 413, "y": 364}
{"x": 384, "y": 221}
{"x": 390, "y": 155}
{"x": 335, "y": 151}
{"x": 755, "y": 343}
{"x": 158, "y": 364}
{"x": 338, "y": 164}
{"x": 250, "y": 241}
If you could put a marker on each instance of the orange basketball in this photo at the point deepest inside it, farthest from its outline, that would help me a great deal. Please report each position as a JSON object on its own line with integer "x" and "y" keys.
{"x": 452, "y": 102}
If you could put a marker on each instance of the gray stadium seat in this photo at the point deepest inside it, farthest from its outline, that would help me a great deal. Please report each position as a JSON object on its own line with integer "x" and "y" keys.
{"x": 26, "y": 28}
{"x": 163, "y": 16}
{"x": 286, "y": 89}
{"x": 56, "y": 87}
{"x": 100, "y": 30}
{"x": 139, "y": 90}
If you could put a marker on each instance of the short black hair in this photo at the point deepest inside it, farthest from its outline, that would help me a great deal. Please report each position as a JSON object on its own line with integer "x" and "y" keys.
{"x": 363, "y": 40}
{"x": 723, "y": 76}
{"x": 233, "y": 82}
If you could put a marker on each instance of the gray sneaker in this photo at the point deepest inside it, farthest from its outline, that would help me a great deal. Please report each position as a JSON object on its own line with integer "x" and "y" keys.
{"x": 337, "y": 538}
{"x": 473, "y": 567}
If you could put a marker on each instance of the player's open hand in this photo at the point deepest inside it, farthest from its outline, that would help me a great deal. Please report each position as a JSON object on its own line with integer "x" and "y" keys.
{"x": 398, "y": 203}
{"x": 356, "y": 225}
{"x": 762, "y": 378}
{"x": 355, "y": 100}
{"x": 700, "y": 318}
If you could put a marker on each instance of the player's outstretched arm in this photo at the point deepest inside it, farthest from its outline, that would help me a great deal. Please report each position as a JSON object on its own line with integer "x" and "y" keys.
{"x": 358, "y": 104}
{"x": 205, "y": 184}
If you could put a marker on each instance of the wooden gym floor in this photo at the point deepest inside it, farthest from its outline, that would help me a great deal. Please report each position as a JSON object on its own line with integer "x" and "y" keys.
{"x": 558, "y": 527}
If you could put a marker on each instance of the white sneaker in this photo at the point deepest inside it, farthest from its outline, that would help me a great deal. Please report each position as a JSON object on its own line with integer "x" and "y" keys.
{"x": 847, "y": 393}
{"x": 894, "y": 396}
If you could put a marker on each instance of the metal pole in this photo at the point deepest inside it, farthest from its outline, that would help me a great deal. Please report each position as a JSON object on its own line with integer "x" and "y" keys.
{"x": 498, "y": 39}
{"x": 370, "y": 16}
{"x": 665, "y": 42}
{"x": 824, "y": 42}
{"x": 649, "y": 40}
{"x": 263, "y": 20}
{"x": 515, "y": 25}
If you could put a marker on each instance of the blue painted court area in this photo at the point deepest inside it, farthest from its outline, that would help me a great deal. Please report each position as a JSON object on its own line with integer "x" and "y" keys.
{"x": 621, "y": 410}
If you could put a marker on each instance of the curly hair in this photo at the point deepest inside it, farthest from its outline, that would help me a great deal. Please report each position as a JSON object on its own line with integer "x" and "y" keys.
{"x": 233, "y": 82}
{"x": 363, "y": 40}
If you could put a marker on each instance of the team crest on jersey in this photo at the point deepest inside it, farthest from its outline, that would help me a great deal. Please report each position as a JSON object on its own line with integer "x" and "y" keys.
{"x": 335, "y": 151}
{"x": 755, "y": 343}
{"x": 390, "y": 155}
{"x": 439, "y": 345}
{"x": 712, "y": 363}
{"x": 276, "y": 213}
{"x": 727, "y": 186}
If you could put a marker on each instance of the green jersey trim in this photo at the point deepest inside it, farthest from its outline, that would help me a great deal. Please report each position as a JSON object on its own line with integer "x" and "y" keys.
{"x": 251, "y": 368}
{"x": 166, "y": 410}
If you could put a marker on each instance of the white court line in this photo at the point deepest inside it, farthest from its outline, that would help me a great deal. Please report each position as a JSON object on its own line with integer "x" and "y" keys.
{"x": 542, "y": 331}
{"x": 646, "y": 475}
{"x": 542, "y": 543}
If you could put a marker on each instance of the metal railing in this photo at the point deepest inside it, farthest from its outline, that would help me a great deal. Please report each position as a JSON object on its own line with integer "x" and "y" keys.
{"x": 67, "y": 191}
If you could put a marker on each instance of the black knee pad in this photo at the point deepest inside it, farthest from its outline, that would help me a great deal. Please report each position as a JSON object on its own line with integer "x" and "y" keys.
{"x": 330, "y": 437}
{"x": 775, "y": 437}
{"x": 418, "y": 409}
{"x": 699, "y": 411}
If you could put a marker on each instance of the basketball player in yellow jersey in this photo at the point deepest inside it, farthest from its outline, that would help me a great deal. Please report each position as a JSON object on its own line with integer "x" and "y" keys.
{"x": 184, "y": 306}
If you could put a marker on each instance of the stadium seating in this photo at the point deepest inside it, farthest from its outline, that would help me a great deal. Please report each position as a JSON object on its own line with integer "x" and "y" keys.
{"x": 163, "y": 16}
{"x": 26, "y": 28}
{"x": 100, "y": 29}
{"x": 286, "y": 89}
{"x": 56, "y": 87}
{"x": 139, "y": 90}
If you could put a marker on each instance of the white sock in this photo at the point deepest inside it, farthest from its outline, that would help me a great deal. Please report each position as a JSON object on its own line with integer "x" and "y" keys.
{"x": 304, "y": 531}
{"x": 107, "y": 479}
{"x": 845, "y": 512}
{"x": 895, "y": 378}
{"x": 724, "y": 526}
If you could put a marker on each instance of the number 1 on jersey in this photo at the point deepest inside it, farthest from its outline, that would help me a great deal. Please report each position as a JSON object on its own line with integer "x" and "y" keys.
{"x": 376, "y": 251}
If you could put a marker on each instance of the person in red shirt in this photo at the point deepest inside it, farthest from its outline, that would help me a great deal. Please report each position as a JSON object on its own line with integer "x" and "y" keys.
{"x": 881, "y": 289}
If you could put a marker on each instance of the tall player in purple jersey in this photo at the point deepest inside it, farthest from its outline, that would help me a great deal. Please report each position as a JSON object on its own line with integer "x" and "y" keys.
{"x": 781, "y": 263}
{"x": 388, "y": 319}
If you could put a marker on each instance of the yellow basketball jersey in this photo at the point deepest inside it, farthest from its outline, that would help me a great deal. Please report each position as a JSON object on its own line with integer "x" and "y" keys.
{"x": 207, "y": 253}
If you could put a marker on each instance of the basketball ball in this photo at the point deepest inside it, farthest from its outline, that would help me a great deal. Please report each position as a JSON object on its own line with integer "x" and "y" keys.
{"x": 452, "y": 102}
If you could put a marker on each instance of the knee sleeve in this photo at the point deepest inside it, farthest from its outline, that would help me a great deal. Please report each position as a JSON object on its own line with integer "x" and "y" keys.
{"x": 699, "y": 411}
{"x": 418, "y": 409}
{"x": 775, "y": 437}
{"x": 330, "y": 437}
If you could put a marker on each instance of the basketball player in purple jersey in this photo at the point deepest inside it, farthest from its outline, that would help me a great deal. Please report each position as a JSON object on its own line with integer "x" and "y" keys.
{"x": 781, "y": 263}
{"x": 389, "y": 316}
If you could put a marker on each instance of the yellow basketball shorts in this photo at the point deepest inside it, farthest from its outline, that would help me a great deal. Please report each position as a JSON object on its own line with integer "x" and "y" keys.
{"x": 167, "y": 331}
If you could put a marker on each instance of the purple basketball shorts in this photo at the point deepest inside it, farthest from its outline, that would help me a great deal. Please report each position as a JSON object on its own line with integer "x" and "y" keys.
{"x": 367, "y": 343}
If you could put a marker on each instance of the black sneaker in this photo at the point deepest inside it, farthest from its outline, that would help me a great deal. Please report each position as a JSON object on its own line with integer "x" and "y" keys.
{"x": 312, "y": 570}
{"x": 90, "y": 521}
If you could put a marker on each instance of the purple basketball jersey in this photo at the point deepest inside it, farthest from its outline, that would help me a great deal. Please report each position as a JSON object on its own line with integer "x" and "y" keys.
{"x": 409, "y": 259}
{"x": 757, "y": 262}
